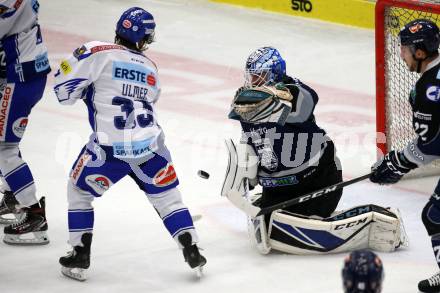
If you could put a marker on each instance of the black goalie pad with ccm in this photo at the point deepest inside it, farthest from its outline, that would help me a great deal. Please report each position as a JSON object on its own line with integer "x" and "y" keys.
{"x": 262, "y": 104}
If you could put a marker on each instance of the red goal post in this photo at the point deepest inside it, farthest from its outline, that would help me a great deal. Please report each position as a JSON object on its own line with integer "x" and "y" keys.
{"x": 393, "y": 80}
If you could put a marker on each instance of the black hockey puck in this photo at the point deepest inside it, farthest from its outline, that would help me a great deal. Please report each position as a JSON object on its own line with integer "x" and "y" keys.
{"x": 203, "y": 174}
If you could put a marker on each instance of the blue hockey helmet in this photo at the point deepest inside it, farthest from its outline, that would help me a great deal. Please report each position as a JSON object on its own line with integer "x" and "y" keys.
{"x": 136, "y": 25}
{"x": 362, "y": 272}
{"x": 264, "y": 66}
{"x": 422, "y": 34}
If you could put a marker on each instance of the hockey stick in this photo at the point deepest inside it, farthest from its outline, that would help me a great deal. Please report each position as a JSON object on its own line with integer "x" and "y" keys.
{"x": 311, "y": 195}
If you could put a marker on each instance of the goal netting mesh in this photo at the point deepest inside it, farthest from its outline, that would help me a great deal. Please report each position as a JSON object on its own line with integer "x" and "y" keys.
{"x": 397, "y": 80}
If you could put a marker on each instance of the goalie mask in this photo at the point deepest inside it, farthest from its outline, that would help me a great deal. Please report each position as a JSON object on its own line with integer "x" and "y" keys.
{"x": 362, "y": 272}
{"x": 265, "y": 66}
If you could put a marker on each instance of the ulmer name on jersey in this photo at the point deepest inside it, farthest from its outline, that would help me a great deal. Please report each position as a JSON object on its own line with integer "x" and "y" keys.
{"x": 134, "y": 91}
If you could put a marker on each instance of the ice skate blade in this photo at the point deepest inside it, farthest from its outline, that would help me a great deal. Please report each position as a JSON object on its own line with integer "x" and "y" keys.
{"x": 198, "y": 271}
{"x": 196, "y": 218}
{"x": 39, "y": 238}
{"x": 75, "y": 273}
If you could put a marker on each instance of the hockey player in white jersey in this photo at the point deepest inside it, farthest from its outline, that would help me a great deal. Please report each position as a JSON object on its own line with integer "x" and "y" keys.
{"x": 120, "y": 85}
{"x": 24, "y": 67}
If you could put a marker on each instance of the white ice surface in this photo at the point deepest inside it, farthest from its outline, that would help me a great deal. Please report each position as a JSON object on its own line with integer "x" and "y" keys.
{"x": 200, "y": 51}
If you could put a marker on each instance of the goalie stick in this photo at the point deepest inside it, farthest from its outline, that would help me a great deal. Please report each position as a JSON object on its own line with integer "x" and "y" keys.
{"x": 236, "y": 194}
{"x": 311, "y": 195}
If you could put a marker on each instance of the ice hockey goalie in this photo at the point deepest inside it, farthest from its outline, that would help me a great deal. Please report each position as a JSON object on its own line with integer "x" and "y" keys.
{"x": 366, "y": 226}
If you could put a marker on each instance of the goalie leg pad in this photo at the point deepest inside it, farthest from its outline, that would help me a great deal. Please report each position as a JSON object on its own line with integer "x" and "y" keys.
{"x": 302, "y": 235}
{"x": 387, "y": 232}
{"x": 358, "y": 228}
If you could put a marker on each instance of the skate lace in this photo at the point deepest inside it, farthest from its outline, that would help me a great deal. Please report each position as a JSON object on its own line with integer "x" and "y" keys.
{"x": 23, "y": 220}
{"x": 434, "y": 280}
{"x": 70, "y": 253}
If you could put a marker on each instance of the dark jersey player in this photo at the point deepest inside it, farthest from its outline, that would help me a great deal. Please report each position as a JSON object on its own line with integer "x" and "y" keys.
{"x": 289, "y": 155}
{"x": 295, "y": 155}
{"x": 420, "y": 40}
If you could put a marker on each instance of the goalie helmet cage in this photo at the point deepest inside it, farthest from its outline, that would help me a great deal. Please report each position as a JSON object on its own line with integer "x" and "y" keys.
{"x": 393, "y": 79}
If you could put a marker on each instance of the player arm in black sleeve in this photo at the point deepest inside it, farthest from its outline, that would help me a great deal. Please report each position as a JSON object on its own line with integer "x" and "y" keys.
{"x": 424, "y": 149}
{"x": 303, "y": 103}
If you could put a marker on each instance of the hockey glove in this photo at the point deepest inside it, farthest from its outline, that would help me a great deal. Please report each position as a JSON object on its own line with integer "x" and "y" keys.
{"x": 261, "y": 105}
{"x": 391, "y": 168}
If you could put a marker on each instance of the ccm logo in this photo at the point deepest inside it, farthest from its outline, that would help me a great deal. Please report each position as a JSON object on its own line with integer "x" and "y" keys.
{"x": 350, "y": 224}
{"x": 415, "y": 153}
{"x": 317, "y": 194}
{"x": 302, "y": 5}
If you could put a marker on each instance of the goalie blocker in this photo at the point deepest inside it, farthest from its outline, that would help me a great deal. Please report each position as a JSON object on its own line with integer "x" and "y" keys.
{"x": 367, "y": 226}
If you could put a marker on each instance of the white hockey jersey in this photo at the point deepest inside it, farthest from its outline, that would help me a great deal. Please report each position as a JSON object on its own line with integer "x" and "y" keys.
{"x": 119, "y": 87}
{"x": 23, "y": 54}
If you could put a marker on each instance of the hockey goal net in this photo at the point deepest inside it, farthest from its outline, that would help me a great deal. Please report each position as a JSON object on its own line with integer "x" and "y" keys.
{"x": 393, "y": 80}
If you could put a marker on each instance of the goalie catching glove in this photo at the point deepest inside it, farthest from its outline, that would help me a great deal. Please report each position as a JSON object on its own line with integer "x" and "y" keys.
{"x": 262, "y": 104}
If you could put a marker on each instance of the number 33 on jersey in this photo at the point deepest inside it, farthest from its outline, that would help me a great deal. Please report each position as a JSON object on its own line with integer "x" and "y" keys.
{"x": 119, "y": 87}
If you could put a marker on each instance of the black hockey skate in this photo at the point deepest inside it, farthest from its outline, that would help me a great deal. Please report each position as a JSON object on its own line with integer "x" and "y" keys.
{"x": 31, "y": 229}
{"x": 77, "y": 261}
{"x": 9, "y": 212}
{"x": 431, "y": 285}
{"x": 191, "y": 253}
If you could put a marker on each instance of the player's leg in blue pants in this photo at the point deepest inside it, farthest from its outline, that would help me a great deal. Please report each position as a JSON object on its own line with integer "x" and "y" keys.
{"x": 93, "y": 173}
{"x": 16, "y": 103}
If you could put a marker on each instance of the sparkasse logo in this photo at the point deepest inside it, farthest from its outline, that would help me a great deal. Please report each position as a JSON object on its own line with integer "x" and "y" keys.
{"x": 302, "y": 5}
